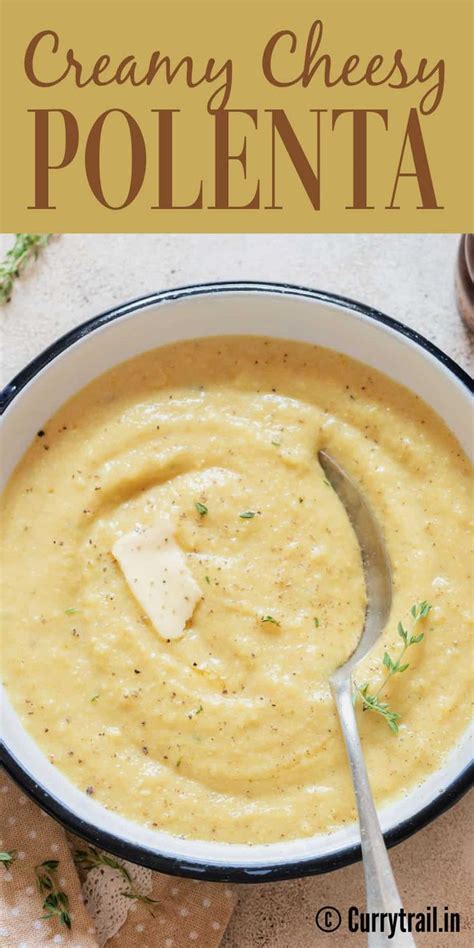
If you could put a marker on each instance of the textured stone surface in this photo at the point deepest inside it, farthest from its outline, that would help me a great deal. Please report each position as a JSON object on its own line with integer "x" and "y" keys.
{"x": 408, "y": 276}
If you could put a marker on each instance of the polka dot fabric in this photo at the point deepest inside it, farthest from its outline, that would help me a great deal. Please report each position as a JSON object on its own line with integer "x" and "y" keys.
{"x": 36, "y": 837}
{"x": 188, "y": 913}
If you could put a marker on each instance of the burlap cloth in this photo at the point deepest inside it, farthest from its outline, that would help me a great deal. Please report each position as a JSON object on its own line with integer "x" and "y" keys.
{"x": 188, "y": 913}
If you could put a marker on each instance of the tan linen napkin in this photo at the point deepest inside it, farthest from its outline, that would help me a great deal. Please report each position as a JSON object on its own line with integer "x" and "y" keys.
{"x": 188, "y": 913}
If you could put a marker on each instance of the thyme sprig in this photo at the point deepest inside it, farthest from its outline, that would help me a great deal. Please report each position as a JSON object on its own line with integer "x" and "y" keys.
{"x": 24, "y": 250}
{"x": 372, "y": 702}
{"x": 56, "y": 902}
{"x": 92, "y": 857}
{"x": 8, "y": 857}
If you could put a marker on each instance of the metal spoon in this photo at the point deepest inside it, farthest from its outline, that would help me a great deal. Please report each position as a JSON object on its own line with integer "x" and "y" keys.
{"x": 380, "y": 885}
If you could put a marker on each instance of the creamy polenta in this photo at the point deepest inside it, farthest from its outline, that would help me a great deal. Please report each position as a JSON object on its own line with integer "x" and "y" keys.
{"x": 229, "y": 732}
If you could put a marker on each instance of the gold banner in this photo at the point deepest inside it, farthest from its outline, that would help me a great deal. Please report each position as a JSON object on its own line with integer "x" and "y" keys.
{"x": 234, "y": 116}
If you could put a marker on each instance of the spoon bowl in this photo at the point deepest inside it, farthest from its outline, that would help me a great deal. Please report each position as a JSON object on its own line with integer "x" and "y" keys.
{"x": 375, "y": 560}
{"x": 380, "y": 886}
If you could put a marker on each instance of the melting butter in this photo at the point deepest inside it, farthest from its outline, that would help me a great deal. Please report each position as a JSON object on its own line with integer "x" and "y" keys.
{"x": 156, "y": 571}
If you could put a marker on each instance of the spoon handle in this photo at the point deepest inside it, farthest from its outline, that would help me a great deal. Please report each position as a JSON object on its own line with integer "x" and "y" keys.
{"x": 381, "y": 889}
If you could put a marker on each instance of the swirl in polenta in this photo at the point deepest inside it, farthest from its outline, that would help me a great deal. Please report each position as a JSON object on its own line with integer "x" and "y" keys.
{"x": 227, "y": 730}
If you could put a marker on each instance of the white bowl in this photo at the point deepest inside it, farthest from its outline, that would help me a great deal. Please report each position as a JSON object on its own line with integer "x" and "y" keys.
{"x": 207, "y": 310}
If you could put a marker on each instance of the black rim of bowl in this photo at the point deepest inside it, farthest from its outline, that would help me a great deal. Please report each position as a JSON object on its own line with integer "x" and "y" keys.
{"x": 139, "y": 854}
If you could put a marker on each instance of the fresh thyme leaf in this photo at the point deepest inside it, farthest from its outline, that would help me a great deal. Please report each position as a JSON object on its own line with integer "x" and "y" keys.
{"x": 94, "y": 698}
{"x": 80, "y": 856}
{"x": 269, "y": 619}
{"x": 199, "y": 710}
{"x": 92, "y": 857}
{"x": 140, "y": 898}
{"x": 145, "y": 899}
{"x": 402, "y": 632}
{"x": 316, "y": 622}
{"x": 276, "y": 444}
{"x": 208, "y": 581}
{"x": 247, "y": 515}
{"x": 8, "y": 857}
{"x": 421, "y": 610}
{"x": 371, "y": 702}
{"x": 56, "y": 902}
{"x": 201, "y": 509}
{"x": 25, "y": 249}
{"x": 70, "y": 612}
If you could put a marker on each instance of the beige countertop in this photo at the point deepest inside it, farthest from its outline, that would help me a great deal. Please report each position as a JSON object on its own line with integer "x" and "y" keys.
{"x": 411, "y": 278}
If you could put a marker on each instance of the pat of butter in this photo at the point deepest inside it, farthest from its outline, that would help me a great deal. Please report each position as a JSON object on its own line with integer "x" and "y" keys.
{"x": 155, "y": 569}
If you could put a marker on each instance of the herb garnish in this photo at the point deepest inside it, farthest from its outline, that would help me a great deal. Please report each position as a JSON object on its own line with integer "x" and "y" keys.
{"x": 269, "y": 619}
{"x": 201, "y": 509}
{"x": 208, "y": 581}
{"x": 8, "y": 857}
{"x": 56, "y": 903}
{"x": 371, "y": 702}
{"x": 247, "y": 515}
{"x": 70, "y": 612}
{"x": 94, "y": 697}
{"x": 25, "y": 249}
{"x": 316, "y": 622}
{"x": 91, "y": 857}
